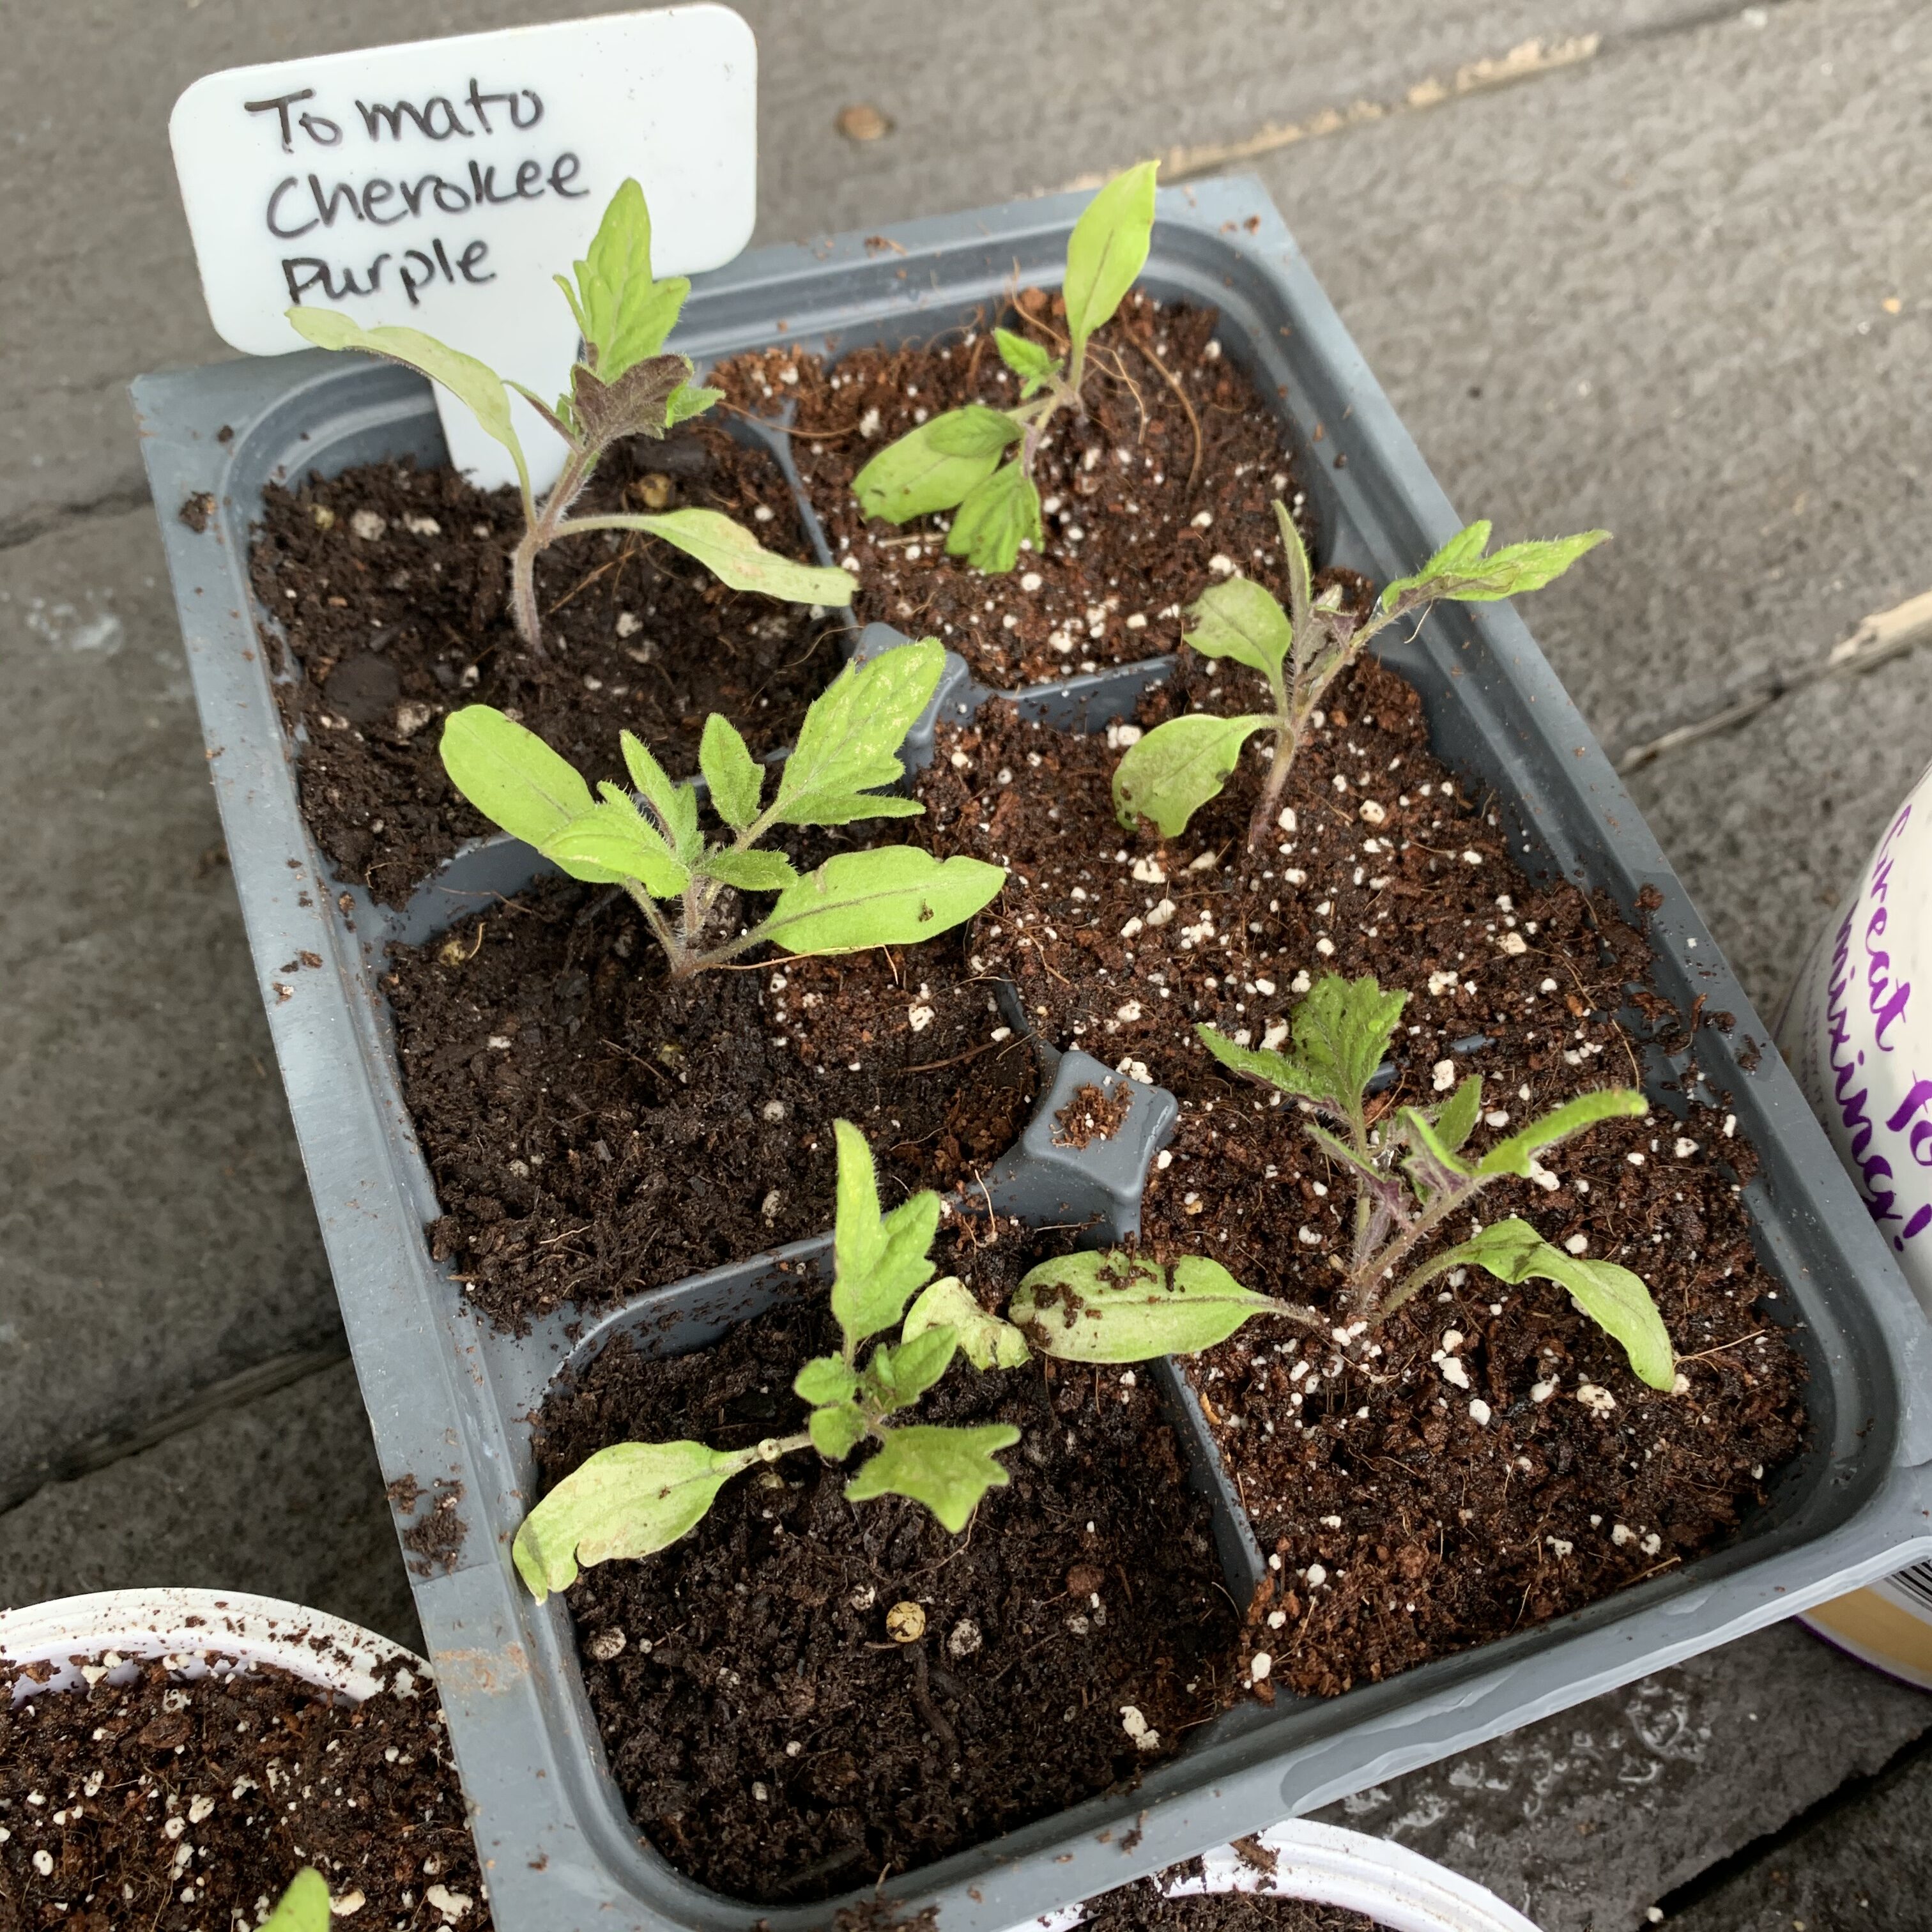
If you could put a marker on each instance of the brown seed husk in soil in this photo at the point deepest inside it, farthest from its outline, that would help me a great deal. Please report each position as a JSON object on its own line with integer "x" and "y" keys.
{"x": 1198, "y": 482}
{"x": 595, "y": 1129}
{"x": 770, "y": 1739}
{"x": 1139, "y": 1907}
{"x": 1435, "y": 1530}
{"x": 253, "y": 1776}
{"x": 383, "y": 630}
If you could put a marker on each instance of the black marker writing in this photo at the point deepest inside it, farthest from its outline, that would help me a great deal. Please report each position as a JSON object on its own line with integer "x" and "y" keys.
{"x": 324, "y": 132}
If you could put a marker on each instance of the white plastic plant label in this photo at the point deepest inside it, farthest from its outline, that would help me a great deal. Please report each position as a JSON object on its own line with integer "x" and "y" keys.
{"x": 1857, "y": 1032}
{"x": 442, "y": 184}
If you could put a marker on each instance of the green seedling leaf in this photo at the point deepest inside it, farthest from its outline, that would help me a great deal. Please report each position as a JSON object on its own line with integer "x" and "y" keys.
{"x": 1241, "y": 620}
{"x": 849, "y": 739}
{"x": 984, "y": 1340}
{"x": 735, "y": 777}
{"x": 734, "y": 557}
{"x": 1459, "y": 570}
{"x": 824, "y": 1380}
{"x": 303, "y": 1907}
{"x": 1036, "y": 366}
{"x": 915, "y": 476}
{"x": 1612, "y": 1298}
{"x": 1120, "y": 1308}
{"x": 751, "y": 871}
{"x": 1300, "y": 576}
{"x": 948, "y": 1470}
{"x": 1278, "y": 1069}
{"x": 1435, "y": 1165}
{"x": 474, "y": 384}
{"x": 1514, "y": 1155}
{"x": 637, "y": 403}
{"x": 1178, "y": 766}
{"x": 997, "y": 516}
{"x": 613, "y": 842}
{"x": 693, "y": 400}
{"x": 896, "y": 1378}
{"x": 1341, "y": 1034}
{"x": 631, "y": 1499}
{"x": 895, "y": 895}
{"x": 511, "y": 775}
{"x": 1456, "y": 1119}
{"x": 879, "y": 1260}
{"x": 674, "y": 805}
{"x": 974, "y": 430}
{"x": 1108, "y": 250}
{"x": 623, "y": 315}
{"x": 837, "y": 1429}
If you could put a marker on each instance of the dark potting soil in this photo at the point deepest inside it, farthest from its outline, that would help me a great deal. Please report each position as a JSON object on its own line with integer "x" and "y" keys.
{"x": 1176, "y": 464}
{"x": 770, "y": 1739}
{"x": 1439, "y": 1482}
{"x": 172, "y": 1806}
{"x": 1140, "y": 1907}
{"x": 595, "y": 1129}
{"x": 392, "y": 583}
{"x": 1090, "y": 1115}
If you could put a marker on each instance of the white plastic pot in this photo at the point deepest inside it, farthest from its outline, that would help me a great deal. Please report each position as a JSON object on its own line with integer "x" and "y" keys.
{"x": 1325, "y": 1865}
{"x": 1856, "y": 1030}
{"x": 197, "y": 1631}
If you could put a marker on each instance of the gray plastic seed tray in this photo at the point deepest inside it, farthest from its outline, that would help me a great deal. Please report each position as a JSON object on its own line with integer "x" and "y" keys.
{"x": 447, "y": 1400}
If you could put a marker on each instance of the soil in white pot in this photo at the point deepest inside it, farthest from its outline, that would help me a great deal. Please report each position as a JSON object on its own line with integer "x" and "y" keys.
{"x": 171, "y": 1805}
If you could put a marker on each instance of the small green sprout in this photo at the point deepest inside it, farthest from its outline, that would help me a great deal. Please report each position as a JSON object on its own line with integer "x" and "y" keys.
{"x": 893, "y": 895}
{"x": 303, "y": 1906}
{"x": 622, "y": 385}
{"x": 1167, "y": 775}
{"x": 635, "y": 1499}
{"x": 1410, "y": 1175}
{"x": 958, "y": 459}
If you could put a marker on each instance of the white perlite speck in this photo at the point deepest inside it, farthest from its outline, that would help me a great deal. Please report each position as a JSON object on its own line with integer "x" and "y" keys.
{"x": 1259, "y": 1665}
{"x": 1136, "y": 1727}
{"x": 1443, "y": 1074}
{"x": 1479, "y": 1413}
{"x": 1595, "y": 1398}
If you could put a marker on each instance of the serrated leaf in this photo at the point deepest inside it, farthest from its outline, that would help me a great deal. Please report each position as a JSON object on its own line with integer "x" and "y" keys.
{"x": 1300, "y": 575}
{"x": 997, "y": 516}
{"x": 613, "y": 842}
{"x": 303, "y": 1907}
{"x": 972, "y": 430}
{"x": 474, "y": 384}
{"x": 896, "y": 1377}
{"x": 984, "y": 1340}
{"x": 1167, "y": 775}
{"x": 837, "y": 1429}
{"x": 675, "y": 804}
{"x": 914, "y": 476}
{"x": 824, "y": 1380}
{"x": 735, "y": 777}
{"x": 879, "y": 1261}
{"x": 1108, "y": 250}
{"x": 631, "y": 1499}
{"x": 1120, "y": 1308}
{"x": 622, "y": 314}
{"x": 692, "y": 399}
{"x": 1240, "y": 619}
{"x": 636, "y": 403}
{"x": 1513, "y": 1155}
{"x": 1341, "y": 1029}
{"x": 1615, "y": 1299}
{"x": 842, "y": 808}
{"x": 1459, "y": 570}
{"x": 510, "y": 775}
{"x": 895, "y": 895}
{"x": 849, "y": 739}
{"x": 948, "y": 1470}
{"x": 1259, "y": 1063}
{"x": 736, "y": 557}
{"x": 751, "y": 871}
{"x": 1456, "y": 1119}
{"x": 1033, "y": 364}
